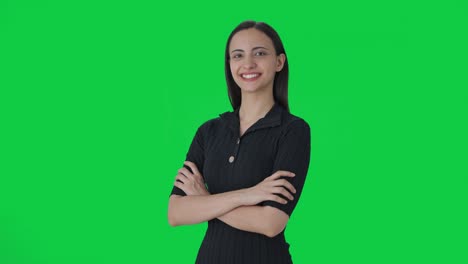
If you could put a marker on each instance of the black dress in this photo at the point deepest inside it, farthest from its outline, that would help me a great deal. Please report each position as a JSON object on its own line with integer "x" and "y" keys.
{"x": 279, "y": 141}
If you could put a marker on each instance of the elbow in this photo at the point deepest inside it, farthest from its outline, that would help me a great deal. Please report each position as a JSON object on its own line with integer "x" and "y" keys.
{"x": 273, "y": 228}
{"x": 275, "y": 222}
{"x": 273, "y": 231}
{"x": 171, "y": 219}
{"x": 171, "y": 214}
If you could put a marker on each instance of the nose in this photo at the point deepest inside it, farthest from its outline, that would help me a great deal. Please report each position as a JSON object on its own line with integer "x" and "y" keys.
{"x": 249, "y": 62}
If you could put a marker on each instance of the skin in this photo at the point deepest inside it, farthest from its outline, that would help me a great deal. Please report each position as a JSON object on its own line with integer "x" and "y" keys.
{"x": 251, "y": 51}
{"x": 193, "y": 184}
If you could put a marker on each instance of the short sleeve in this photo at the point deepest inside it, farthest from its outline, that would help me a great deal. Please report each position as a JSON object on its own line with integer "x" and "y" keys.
{"x": 195, "y": 154}
{"x": 293, "y": 155}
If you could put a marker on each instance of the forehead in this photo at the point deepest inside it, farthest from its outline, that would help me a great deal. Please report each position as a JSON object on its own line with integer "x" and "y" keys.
{"x": 248, "y": 38}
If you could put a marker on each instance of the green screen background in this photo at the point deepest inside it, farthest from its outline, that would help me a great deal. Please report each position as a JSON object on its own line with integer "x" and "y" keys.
{"x": 99, "y": 101}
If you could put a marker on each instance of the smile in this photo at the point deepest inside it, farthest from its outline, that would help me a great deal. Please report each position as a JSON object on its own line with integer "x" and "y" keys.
{"x": 250, "y": 76}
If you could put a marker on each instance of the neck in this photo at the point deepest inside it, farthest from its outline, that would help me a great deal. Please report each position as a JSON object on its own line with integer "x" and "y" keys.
{"x": 255, "y": 106}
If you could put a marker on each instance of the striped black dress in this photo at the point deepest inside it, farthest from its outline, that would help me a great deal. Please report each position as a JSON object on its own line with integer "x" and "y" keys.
{"x": 227, "y": 161}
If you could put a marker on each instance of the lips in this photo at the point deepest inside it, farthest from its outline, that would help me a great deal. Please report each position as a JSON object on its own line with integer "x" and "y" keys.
{"x": 251, "y": 76}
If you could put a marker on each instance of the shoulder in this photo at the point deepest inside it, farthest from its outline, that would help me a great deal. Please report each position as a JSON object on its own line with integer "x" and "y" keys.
{"x": 209, "y": 126}
{"x": 291, "y": 122}
{"x": 295, "y": 133}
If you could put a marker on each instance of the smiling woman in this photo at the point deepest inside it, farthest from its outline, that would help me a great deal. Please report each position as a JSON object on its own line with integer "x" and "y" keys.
{"x": 245, "y": 170}
{"x": 254, "y": 67}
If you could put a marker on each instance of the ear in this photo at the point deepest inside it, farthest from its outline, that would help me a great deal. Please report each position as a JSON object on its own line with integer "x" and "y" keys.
{"x": 280, "y": 59}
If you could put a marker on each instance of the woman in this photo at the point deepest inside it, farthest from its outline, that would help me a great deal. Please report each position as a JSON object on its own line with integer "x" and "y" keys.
{"x": 245, "y": 169}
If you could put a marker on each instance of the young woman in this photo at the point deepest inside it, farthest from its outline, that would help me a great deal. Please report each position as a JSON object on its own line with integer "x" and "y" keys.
{"x": 245, "y": 170}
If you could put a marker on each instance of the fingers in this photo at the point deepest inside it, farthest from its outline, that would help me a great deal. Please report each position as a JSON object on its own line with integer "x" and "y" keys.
{"x": 278, "y": 199}
{"x": 183, "y": 175}
{"x": 280, "y": 173}
{"x": 185, "y": 172}
{"x": 286, "y": 184}
{"x": 180, "y": 185}
{"x": 274, "y": 178}
{"x": 185, "y": 178}
{"x": 182, "y": 178}
{"x": 281, "y": 187}
{"x": 193, "y": 167}
{"x": 282, "y": 191}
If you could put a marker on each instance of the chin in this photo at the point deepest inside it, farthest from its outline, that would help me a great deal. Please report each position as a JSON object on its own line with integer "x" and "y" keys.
{"x": 251, "y": 89}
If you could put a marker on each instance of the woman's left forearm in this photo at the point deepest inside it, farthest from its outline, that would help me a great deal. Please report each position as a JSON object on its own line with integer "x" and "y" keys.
{"x": 247, "y": 218}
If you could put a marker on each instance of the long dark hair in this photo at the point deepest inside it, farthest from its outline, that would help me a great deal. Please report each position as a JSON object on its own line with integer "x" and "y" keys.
{"x": 280, "y": 83}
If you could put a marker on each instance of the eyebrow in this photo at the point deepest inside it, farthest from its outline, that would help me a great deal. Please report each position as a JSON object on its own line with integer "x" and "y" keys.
{"x": 259, "y": 47}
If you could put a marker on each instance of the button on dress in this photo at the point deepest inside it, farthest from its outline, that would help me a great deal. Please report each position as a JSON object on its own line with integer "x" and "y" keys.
{"x": 229, "y": 161}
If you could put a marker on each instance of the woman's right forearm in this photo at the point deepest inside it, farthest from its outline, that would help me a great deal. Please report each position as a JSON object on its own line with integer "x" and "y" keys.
{"x": 193, "y": 209}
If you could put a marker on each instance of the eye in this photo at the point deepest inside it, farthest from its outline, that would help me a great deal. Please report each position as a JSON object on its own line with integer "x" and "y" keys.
{"x": 236, "y": 56}
{"x": 260, "y": 53}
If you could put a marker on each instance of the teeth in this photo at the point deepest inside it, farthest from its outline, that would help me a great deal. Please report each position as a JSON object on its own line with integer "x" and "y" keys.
{"x": 249, "y": 76}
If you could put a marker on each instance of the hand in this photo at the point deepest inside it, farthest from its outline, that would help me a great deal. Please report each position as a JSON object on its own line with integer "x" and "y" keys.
{"x": 191, "y": 183}
{"x": 269, "y": 188}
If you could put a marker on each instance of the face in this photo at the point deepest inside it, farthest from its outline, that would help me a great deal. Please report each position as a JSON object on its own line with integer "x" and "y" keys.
{"x": 253, "y": 60}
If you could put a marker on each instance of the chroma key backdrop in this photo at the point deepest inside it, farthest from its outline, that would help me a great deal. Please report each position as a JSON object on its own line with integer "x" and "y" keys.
{"x": 99, "y": 101}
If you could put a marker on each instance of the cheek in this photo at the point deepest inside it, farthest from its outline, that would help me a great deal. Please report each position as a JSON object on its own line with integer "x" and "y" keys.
{"x": 272, "y": 67}
{"x": 233, "y": 68}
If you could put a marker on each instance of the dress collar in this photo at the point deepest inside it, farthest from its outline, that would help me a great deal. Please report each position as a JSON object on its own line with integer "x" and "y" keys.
{"x": 271, "y": 119}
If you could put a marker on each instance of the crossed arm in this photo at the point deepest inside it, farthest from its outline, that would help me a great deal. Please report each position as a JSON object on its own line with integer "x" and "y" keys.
{"x": 194, "y": 209}
{"x": 266, "y": 220}
{"x": 239, "y": 208}
{"x": 236, "y": 208}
